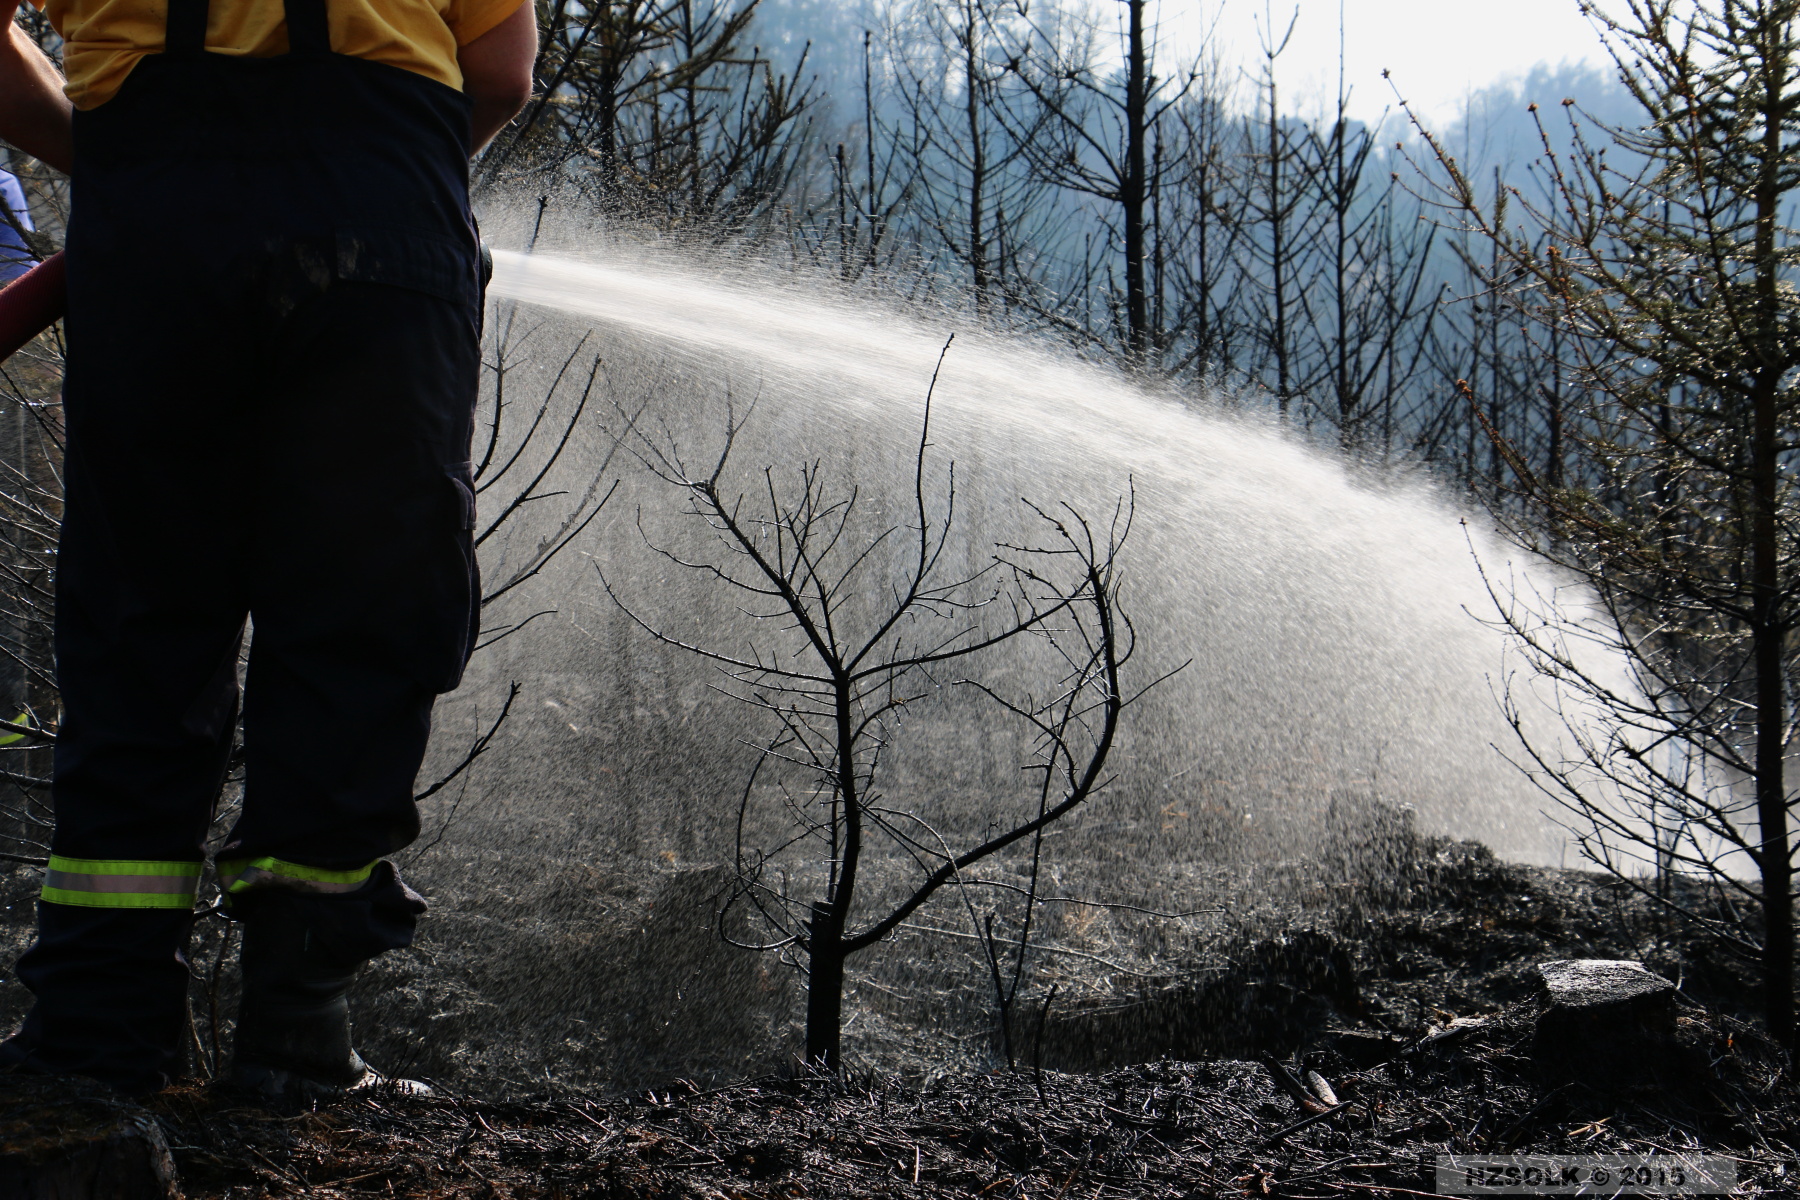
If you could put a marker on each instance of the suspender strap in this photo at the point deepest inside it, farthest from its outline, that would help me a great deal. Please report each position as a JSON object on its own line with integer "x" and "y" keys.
{"x": 308, "y": 30}
{"x": 186, "y": 30}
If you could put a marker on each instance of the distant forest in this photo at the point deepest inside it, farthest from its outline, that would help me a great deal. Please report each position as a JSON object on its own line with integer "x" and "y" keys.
{"x": 1057, "y": 168}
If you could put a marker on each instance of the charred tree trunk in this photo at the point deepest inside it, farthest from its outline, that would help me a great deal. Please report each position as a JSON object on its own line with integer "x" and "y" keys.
{"x": 1770, "y": 627}
{"x": 1768, "y": 636}
{"x": 606, "y": 141}
{"x": 1134, "y": 190}
{"x": 1278, "y": 252}
{"x": 978, "y": 256}
{"x": 825, "y": 988}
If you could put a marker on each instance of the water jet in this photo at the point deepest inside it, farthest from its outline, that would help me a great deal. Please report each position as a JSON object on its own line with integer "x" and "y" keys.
{"x": 1333, "y": 613}
{"x": 1342, "y": 693}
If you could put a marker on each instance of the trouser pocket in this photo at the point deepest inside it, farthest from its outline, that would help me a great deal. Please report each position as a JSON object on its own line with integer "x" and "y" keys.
{"x": 447, "y": 587}
{"x": 464, "y": 591}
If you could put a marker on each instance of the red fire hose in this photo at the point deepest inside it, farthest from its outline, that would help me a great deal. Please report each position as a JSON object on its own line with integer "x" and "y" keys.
{"x": 32, "y": 303}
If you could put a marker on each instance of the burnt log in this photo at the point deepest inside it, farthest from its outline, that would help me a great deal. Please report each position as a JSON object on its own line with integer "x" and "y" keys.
{"x": 63, "y": 1139}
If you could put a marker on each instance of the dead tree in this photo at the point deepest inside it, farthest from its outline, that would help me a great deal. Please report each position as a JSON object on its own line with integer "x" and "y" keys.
{"x": 1369, "y": 305}
{"x": 1281, "y": 208}
{"x": 850, "y": 626}
{"x": 658, "y": 110}
{"x": 1208, "y": 282}
{"x": 979, "y": 208}
{"x": 1095, "y": 138}
{"x": 1665, "y": 268}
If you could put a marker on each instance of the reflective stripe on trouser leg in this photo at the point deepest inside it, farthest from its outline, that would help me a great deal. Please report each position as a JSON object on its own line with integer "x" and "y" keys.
{"x": 240, "y": 875}
{"x": 120, "y": 883}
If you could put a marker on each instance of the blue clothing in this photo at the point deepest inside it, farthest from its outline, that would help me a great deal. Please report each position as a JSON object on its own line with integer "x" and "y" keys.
{"x": 16, "y": 257}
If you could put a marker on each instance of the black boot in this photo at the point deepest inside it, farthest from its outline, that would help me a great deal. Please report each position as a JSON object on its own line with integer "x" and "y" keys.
{"x": 301, "y": 951}
{"x": 293, "y": 1026}
{"x": 111, "y": 987}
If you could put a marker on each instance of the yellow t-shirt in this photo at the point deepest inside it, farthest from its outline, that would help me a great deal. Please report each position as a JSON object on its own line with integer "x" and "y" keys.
{"x": 103, "y": 39}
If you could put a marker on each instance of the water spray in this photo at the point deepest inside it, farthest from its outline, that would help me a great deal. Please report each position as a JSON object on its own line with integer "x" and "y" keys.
{"x": 1237, "y": 503}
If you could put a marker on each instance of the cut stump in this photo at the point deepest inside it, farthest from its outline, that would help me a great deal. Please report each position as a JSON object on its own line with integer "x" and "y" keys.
{"x": 65, "y": 1139}
{"x": 1590, "y": 985}
{"x": 1607, "y": 1022}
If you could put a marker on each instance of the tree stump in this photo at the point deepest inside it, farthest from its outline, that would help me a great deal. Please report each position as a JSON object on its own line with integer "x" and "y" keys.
{"x": 63, "y": 1139}
{"x": 1607, "y": 1022}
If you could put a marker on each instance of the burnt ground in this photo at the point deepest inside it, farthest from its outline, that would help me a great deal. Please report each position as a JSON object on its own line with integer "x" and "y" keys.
{"x": 1165, "y": 1129}
{"x": 1401, "y": 973}
{"x": 1405, "y": 983}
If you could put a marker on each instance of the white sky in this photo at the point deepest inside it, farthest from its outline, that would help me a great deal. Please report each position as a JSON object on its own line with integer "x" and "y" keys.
{"x": 1437, "y": 50}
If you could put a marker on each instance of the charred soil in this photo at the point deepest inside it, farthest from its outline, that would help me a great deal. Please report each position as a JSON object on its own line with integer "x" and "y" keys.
{"x": 1152, "y": 1057}
{"x": 1165, "y": 1129}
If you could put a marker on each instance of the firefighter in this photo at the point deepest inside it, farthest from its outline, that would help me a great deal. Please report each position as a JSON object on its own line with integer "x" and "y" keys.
{"x": 273, "y": 326}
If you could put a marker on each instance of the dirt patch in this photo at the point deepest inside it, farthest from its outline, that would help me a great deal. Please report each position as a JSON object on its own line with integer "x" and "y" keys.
{"x": 1398, "y": 969}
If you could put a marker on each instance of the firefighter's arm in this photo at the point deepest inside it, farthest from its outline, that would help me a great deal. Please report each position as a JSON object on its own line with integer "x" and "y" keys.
{"x": 34, "y": 113}
{"x": 496, "y": 70}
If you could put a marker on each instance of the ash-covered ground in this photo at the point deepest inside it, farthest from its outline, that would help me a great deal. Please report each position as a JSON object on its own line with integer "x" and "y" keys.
{"x": 588, "y": 977}
{"x": 590, "y": 1036}
{"x": 1167, "y": 1129}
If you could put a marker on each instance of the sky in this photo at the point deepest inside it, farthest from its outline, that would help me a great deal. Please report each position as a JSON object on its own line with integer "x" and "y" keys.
{"x": 1437, "y": 50}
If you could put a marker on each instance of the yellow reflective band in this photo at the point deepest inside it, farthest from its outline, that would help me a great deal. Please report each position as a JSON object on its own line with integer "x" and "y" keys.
{"x": 120, "y": 883}
{"x": 238, "y": 875}
{"x": 23, "y": 718}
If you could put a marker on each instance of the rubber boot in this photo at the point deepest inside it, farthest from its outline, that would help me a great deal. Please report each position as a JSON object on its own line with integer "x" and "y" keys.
{"x": 111, "y": 988}
{"x": 300, "y": 954}
{"x": 293, "y": 1027}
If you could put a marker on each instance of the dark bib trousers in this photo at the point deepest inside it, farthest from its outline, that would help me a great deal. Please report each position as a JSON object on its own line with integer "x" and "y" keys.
{"x": 273, "y": 339}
